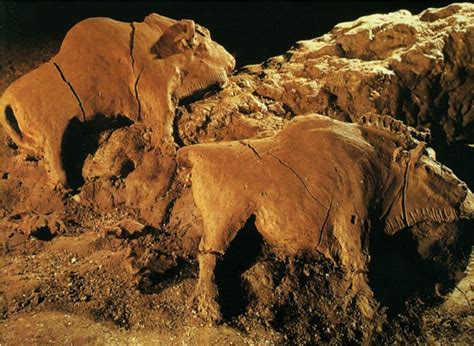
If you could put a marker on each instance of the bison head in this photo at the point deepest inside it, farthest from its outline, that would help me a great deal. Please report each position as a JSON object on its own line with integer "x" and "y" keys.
{"x": 202, "y": 62}
{"x": 423, "y": 190}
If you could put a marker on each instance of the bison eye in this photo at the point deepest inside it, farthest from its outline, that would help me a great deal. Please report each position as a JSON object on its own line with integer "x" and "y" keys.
{"x": 200, "y": 32}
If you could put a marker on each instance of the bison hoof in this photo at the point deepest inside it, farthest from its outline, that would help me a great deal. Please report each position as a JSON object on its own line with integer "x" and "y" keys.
{"x": 206, "y": 308}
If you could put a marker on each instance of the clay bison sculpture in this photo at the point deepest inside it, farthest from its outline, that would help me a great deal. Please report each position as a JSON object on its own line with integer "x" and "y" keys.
{"x": 106, "y": 67}
{"x": 318, "y": 185}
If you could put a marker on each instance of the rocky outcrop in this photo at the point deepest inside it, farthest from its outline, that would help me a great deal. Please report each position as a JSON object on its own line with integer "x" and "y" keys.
{"x": 416, "y": 68}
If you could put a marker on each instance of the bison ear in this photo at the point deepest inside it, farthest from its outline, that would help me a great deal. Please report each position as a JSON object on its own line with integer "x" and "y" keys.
{"x": 187, "y": 28}
{"x": 178, "y": 38}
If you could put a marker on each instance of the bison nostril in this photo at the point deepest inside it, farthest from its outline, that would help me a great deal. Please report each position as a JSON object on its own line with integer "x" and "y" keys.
{"x": 11, "y": 120}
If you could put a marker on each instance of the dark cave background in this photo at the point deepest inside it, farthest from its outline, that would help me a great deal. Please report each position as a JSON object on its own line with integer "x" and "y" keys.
{"x": 251, "y": 31}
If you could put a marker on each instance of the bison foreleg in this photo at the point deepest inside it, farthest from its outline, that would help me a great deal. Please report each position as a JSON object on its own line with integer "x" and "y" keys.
{"x": 205, "y": 295}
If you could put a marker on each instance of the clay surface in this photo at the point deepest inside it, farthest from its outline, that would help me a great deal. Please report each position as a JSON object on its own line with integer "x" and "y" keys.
{"x": 147, "y": 197}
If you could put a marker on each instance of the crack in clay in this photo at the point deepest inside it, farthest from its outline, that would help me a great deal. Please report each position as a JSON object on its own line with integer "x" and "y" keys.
{"x": 323, "y": 227}
{"x": 404, "y": 192}
{"x": 132, "y": 59}
{"x": 63, "y": 77}
{"x": 248, "y": 145}
{"x": 299, "y": 178}
{"x": 137, "y": 96}
{"x": 132, "y": 43}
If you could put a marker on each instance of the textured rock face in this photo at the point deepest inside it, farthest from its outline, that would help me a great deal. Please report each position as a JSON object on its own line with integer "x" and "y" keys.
{"x": 416, "y": 68}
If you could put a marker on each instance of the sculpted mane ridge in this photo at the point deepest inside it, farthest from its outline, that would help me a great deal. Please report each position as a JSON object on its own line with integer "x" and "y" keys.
{"x": 408, "y": 135}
